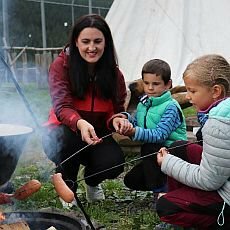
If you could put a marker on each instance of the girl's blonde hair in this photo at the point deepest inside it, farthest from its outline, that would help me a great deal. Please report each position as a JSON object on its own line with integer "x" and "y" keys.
{"x": 210, "y": 70}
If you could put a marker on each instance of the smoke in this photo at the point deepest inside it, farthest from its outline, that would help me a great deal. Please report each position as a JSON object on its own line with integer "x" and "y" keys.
{"x": 13, "y": 110}
{"x": 24, "y": 108}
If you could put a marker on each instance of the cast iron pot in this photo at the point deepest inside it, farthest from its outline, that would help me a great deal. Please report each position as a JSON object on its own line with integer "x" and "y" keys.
{"x": 12, "y": 141}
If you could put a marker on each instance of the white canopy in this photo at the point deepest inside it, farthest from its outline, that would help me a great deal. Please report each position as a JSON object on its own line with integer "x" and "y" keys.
{"x": 176, "y": 31}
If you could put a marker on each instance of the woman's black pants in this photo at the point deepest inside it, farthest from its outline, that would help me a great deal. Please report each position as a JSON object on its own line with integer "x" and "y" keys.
{"x": 61, "y": 143}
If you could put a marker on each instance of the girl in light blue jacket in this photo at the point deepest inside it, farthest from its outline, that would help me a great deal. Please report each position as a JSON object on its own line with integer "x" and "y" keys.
{"x": 199, "y": 176}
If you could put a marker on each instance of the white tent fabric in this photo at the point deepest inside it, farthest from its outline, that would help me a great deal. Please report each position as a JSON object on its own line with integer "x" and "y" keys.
{"x": 176, "y": 31}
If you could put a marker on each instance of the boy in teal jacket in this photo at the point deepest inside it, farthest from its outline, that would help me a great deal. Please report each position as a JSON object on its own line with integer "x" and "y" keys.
{"x": 158, "y": 122}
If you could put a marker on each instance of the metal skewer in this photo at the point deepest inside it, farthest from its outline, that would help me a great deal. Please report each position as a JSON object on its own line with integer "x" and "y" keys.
{"x": 80, "y": 150}
{"x": 135, "y": 159}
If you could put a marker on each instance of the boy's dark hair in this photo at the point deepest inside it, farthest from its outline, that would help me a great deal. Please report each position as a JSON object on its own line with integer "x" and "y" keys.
{"x": 158, "y": 67}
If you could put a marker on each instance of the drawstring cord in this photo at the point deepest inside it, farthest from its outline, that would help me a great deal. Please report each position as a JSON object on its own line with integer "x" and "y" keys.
{"x": 220, "y": 219}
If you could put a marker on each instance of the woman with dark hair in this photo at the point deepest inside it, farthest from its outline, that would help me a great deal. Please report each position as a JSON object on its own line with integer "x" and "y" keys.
{"x": 86, "y": 88}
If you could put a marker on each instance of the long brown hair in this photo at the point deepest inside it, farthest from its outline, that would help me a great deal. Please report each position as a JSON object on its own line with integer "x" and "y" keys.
{"x": 106, "y": 67}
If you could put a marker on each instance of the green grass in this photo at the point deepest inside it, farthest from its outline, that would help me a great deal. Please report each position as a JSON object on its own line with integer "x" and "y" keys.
{"x": 122, "y": 209}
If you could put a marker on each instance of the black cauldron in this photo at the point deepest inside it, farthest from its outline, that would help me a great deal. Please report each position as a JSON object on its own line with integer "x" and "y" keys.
{"x": 12, "y": 141}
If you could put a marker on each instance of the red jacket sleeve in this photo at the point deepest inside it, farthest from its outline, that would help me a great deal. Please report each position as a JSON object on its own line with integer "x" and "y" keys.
{"x": 60, "y": 91}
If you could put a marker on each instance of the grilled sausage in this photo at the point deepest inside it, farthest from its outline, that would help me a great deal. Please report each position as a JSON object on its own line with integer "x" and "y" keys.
{"x": 62, "y": 189}
{"x": 27, "y": 190}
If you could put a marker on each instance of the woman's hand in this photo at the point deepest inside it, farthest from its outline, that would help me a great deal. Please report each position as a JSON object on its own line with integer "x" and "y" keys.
{"x": 123, "y": 126}
{"x": 161, "y": 154}
{"x": 88, "y": 133}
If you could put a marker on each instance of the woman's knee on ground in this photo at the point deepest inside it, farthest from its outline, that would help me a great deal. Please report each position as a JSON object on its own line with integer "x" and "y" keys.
{"x": 96, "y": 176}
{"x": 134, "y": 179}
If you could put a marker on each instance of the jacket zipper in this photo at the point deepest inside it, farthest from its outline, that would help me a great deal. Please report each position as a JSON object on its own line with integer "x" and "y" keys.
{"x": 145, "y": 118}
{"x": 93, "y": 95}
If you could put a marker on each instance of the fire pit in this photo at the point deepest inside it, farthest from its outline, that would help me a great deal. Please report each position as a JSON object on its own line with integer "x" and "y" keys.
{"x": 44, "y": 220}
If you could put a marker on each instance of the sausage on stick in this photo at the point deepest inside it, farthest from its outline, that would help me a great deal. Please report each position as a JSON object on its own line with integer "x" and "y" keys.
{"x": 27, "y": 190}
{"x": 62, "y": 189}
